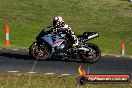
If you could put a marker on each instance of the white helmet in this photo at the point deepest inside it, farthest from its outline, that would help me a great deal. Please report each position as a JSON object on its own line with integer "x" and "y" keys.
{"x": 57, "y": 21}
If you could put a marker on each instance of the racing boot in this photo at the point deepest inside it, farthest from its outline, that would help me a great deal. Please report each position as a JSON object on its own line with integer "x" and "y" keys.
{"x": 75, "y": 43}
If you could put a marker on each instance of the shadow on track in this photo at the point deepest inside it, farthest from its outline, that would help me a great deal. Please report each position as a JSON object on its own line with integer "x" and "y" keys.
{"x": 27, "y": 57}
{"x": 16, "y": 56}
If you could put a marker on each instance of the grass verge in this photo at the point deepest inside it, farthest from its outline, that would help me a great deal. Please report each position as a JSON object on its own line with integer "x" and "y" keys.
{"x": 20, "y": 80}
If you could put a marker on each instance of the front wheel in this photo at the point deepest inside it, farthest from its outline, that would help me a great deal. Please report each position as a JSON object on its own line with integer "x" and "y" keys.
{"x": 39, "y": 52}
{"x": 93, "y": 55}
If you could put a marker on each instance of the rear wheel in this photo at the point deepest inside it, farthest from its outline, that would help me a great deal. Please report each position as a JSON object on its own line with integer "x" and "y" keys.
{"x": 39, "y": 52}
{"x": 93, "y": 55}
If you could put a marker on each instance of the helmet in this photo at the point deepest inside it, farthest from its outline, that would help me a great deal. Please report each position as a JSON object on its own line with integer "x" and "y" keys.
{"x": 57, "y": 21}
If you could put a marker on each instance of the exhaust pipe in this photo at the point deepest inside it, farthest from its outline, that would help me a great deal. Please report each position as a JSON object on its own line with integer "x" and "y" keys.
{"x": 93, "y": 36}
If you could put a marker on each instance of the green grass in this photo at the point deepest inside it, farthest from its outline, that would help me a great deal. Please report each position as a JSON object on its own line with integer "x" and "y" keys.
{"x": 19, "y": 80}
{"x": 111, "y": 18}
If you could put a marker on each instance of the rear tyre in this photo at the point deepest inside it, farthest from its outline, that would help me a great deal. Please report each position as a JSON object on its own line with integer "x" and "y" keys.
{"x": 93, "y": 56}
{"x": 39, "y": 52}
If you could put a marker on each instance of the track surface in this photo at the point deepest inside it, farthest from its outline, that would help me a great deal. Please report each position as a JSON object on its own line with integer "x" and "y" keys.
{"x": 16, "y": 60}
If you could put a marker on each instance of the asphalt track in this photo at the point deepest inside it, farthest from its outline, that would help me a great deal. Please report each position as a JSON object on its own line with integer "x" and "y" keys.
{"x": 19, "y": 61}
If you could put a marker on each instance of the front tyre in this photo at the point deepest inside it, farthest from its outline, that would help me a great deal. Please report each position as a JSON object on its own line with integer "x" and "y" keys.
{"x": 39, "y": 52}
{"x": 93, "y": 55}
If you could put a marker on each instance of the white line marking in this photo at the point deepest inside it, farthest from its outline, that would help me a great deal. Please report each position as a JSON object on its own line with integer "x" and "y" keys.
{"x": 117, "y": 56}
{"x": 12, "y": 71}
{"x": 103, "y": 55}
{"x": 49, "y": 73}
{"x": 65, "y": 74}
{"x": 32, "y": 72}
{"x": 15, "y": 49}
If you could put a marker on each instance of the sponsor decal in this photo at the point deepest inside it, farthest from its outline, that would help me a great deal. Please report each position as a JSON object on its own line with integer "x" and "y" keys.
{"x": 56, "y": 42}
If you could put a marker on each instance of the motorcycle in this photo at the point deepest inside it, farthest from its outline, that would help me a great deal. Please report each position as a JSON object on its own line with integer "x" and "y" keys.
{"x": 58, "y": 46}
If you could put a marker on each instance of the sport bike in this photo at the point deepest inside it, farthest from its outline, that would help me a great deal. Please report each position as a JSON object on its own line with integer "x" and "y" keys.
{"x": 57, "y": 46}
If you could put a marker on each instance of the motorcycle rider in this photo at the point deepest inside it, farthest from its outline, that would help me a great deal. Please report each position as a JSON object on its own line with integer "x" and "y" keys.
{"x": 59, "y": 25}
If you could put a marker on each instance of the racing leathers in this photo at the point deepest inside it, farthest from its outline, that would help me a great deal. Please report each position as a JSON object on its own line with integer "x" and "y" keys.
{"x": 70, "y": 34}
